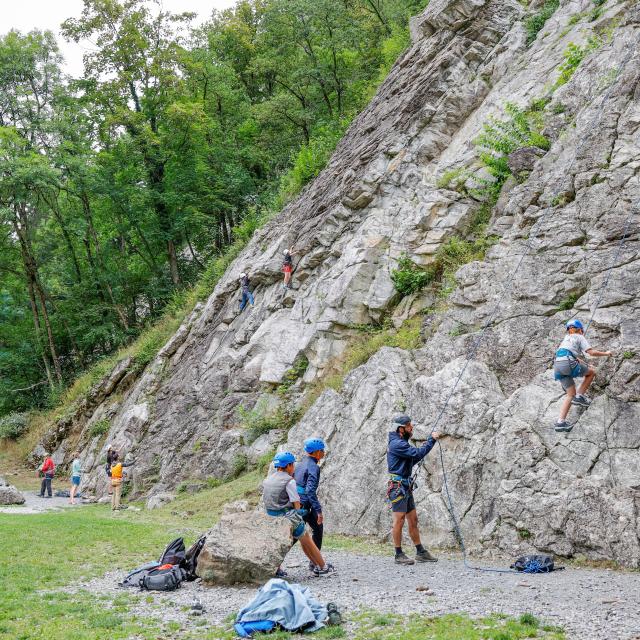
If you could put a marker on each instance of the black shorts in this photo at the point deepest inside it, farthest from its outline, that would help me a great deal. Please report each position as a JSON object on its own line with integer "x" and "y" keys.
{"x": 401, "y": 500}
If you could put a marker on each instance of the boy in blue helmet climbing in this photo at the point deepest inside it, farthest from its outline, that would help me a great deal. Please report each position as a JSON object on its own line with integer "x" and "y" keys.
{"x": 281, "y": 499}
{"x": 401, "y": 458}
{"x": 307, "y": 477}
{"x": 569, "y": 364}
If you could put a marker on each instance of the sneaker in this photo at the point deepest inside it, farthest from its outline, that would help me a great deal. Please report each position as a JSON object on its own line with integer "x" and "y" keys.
{"x": 581, "y": 401}
{"x": 403, "y": 558}
{"x": 563, "y": 426}
{"x": 425, "y": 556}
{"x": 324, "y": 571}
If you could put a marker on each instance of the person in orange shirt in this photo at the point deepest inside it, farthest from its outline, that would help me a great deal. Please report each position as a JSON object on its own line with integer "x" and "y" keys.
{"x": 117, "y": 473}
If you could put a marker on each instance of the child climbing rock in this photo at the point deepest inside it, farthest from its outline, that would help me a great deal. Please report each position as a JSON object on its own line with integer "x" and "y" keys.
{"x": 287, "y": 267}
{"x": 568, "y": 365}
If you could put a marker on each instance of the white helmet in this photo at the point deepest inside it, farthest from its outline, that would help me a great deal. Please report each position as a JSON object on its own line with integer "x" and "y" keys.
{"x": 243, "y": 274}
{"x": 285, "y": 252}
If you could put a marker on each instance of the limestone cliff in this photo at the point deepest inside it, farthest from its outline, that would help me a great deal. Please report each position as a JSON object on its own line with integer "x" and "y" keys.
{"x": 516, "y": 484}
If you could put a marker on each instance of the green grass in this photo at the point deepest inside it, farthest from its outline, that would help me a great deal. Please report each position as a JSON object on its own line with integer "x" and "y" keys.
{"x": 372, "y": 625}
{"x": 534, "y": 23}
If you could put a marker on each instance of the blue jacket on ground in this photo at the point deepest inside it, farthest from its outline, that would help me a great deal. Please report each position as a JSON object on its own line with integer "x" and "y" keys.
{"x": 401, "y": 456}
{"x": 307, "y": 476}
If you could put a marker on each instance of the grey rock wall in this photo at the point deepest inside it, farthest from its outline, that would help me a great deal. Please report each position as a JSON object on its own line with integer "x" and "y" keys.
{"x": 516, "y": 484}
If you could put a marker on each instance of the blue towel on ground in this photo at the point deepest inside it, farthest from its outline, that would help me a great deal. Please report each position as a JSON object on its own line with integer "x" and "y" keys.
{"x": 289, "y": 605}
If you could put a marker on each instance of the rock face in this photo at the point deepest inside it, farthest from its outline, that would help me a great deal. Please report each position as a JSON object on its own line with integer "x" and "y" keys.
{"x": 9, "y": 494}
{"x": 244, "y": 547}
{"x": 515, "y": 483}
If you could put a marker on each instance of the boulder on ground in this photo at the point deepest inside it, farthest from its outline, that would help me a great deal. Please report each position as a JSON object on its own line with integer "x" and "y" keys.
{"x": 9, "y": 494}
{"x": 244, "y": 547}
{"x": 159, "y": 500}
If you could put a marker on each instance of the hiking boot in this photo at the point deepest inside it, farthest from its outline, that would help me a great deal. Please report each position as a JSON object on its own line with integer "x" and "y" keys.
{"x": 403, "y": 558}
{"x": 324, "y": 571}
{"x": 562, "y": 426}
{"x": 425, "y": 556}
{"x": 581, "y": 401}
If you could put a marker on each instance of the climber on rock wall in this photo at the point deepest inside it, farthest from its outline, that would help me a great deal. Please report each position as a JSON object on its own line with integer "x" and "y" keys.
{"x": 245, "y": 289}
{"x": 568, "y": 365}
{"x": 287, "y": 267}
{"x": 401, "y": 457}
{"x": 307, "y": 477}
{"x": 281, "y": 499}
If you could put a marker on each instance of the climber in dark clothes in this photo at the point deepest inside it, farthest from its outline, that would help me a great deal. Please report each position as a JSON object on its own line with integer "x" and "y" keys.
{"x": 245, "y": 287}
{"x": 401, "y": 457}
{"x": 307, "y": 476}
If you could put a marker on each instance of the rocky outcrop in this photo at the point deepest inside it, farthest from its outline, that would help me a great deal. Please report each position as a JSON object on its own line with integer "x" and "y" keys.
{"x": 9, "y": 494}
{"x": 244, "y": 547}
{"x": 515, "y": 483}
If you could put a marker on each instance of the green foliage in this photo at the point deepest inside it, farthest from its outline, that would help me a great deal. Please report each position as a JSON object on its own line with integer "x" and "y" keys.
{"x": 454, "y": 179}
{"x": 240, "y": 464}
{"x": 529, "y": 620}
{"x": 535, "y": 22}
{"x": 569, "y": 302}
{"x": 291, "y": 376}
{"x": 99, "y": 428}
{"x": 13, "y": 425}
{"x": 260, "y": 420}
{"x": 499, "y": 138}
{"x": 409, "y": 278}
{"x": 627, "y": 355}
{"x": 573, "y": 55}
{"x": 524, "y": 534}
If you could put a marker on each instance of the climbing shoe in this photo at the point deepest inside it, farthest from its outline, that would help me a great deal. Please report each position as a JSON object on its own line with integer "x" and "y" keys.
{"x": 581, "y": 401}
{"x": 563, "y": 426}
{"x": 324, "y": 571}
{"x": 425, "y": 556}
{"x": 403, "y": 558}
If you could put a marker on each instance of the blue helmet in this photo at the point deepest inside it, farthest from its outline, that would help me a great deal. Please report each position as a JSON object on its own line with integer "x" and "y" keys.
{"x": 575, "y": 324}
{"x": 283, "y": 459}
{"x": 312, "y": 445}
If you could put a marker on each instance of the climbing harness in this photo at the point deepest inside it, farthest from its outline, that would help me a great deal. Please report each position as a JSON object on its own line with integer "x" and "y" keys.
{"x": 398, "y": 488}
{"x": 475, "y": 346}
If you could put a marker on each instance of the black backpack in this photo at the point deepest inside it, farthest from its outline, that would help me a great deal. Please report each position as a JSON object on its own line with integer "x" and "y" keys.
{"x": 162, "y": 579}
{"x": 174, "y": 553}
{"x": 535, "y": 564}
{"x": 132, "y": 579}
{"x": 191, "y": 559}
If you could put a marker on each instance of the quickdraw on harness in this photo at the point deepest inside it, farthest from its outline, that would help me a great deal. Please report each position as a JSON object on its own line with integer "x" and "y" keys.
{"x": 398, "y": 488}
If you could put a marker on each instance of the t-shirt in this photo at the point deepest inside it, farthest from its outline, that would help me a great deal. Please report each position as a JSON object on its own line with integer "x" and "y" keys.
{"x": 288, "y": 260}
{"x": 116, "y": 470}
{"x": 575, "y": 343}
{"x": 244, "y": 284}
{"x": 76, "y": 468}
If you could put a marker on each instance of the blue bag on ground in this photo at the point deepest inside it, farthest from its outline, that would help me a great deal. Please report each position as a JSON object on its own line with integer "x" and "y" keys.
{"x": 289, "y": 606}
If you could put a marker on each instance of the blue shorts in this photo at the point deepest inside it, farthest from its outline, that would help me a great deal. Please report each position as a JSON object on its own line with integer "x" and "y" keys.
{"x": 401, "y": 498}
{"x": 75, "y": 481}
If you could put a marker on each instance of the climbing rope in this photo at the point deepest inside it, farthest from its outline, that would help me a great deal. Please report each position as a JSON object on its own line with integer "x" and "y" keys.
{"x": 474, "y": 348}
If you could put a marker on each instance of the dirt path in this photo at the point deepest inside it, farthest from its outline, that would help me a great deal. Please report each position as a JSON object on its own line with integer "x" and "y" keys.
{"x": 593, "y": 604}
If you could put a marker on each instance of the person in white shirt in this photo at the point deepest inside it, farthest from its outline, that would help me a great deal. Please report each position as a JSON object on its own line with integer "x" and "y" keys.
{"x": 569, "y": 364}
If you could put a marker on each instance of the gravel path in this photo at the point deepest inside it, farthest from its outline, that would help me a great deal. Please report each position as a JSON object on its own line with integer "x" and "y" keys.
{"x": 591, "y": 604}
{"x": 35, "y": 504}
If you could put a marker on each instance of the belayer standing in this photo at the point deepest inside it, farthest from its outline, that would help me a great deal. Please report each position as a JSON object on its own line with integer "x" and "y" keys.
{"x": 307, "y": 477}
{"x": 281, "y": 499}
{"x": 287, "y": 267}
{"x": 401, "y": 458}
{"x": 245, "y": 288}
{"x": 568, "y": 365}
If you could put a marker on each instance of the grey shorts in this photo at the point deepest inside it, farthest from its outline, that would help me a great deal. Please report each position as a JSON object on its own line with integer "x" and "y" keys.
{"x": 566, "y": 370}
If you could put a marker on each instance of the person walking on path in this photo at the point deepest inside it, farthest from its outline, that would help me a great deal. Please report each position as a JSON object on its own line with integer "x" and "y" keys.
{"x": 76, "y": 473}
{"x": 117, "y": 478}
{"x": 281, "y": 499}
{"x": 307, "y": 477}
{"x": 245, "y": 287}
{"x": 287, "y": 267}
{"x": 569, "y": 364}
{"x": 401, "y": 458}
{"x": 107, "y": 468}
{"x": 48, "y": 470}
